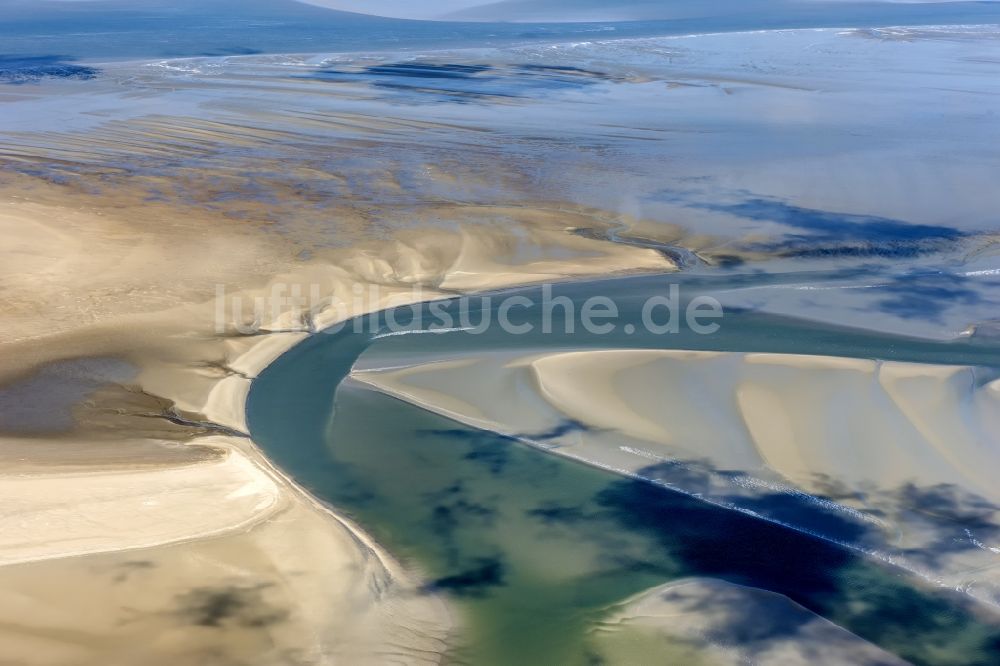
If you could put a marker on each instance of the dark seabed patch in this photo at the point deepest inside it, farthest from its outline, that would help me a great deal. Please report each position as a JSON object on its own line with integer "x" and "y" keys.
{"x": 43, "y": 402}
{"x": 832, "y": 233}
{"x": 927, "y": 295}
{"x": 18, "y": 70}
{"x": 458, "y": 83}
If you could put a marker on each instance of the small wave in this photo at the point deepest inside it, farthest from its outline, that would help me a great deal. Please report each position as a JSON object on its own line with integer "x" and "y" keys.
{"x": 926, "y": 32}
{"x": 979, "y": 544}
{"x": 418, "y": 331}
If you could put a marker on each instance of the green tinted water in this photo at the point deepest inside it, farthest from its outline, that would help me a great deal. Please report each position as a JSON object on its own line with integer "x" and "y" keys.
{"x": 532, "y": 548}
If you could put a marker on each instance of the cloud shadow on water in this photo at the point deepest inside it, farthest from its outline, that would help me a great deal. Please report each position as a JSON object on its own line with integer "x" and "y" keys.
{"x": 871, "y": 600}
{"x": 927, "y": 296}
{"x": 486, "y": 574}
{"x": 832, "y": 234}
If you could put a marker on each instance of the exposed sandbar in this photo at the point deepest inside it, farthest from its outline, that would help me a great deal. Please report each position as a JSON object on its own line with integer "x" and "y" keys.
{"x": 903, "y": 449}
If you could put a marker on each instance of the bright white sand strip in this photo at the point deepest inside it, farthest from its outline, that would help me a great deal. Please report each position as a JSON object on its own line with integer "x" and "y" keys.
{"x": 58, "y": 515}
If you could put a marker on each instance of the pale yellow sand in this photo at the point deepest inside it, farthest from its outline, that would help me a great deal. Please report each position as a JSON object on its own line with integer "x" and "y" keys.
{"x": 114, "y": 526}
{"x": 296, "y": 589}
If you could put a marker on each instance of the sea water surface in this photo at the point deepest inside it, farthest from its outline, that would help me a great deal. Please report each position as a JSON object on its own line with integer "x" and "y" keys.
{"x": 118, "y": 29}
{"x": 534, "y": 549}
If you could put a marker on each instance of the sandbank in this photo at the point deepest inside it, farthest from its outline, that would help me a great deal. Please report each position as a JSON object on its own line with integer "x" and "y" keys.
{"x": 146, "y": 493}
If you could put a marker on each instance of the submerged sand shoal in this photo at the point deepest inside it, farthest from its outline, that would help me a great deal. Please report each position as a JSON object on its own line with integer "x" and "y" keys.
{"x": 707, "y": 621}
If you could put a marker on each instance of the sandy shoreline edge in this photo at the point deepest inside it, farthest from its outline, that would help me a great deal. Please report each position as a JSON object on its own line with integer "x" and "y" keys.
{"x": 775, "y": 421}
{"x": 202, "y": 487}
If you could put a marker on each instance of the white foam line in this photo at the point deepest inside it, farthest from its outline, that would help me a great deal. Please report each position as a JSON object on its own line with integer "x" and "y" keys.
{"x": 418, "y": 331}
{"x": 804, "y": 287}
{"x": 882, "y": 556}
{"x": 979, "y": 544}
{"x": 754, "y": 483}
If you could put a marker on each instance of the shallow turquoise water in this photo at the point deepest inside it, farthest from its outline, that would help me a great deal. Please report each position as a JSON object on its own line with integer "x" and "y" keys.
{"x": 532, "y": 547}
{"x": 112, "y": 29}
